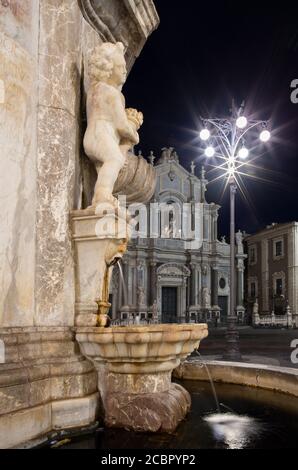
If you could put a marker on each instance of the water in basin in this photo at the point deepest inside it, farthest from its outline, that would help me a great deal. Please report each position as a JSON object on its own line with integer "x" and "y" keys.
{"x": 250, "y": 418}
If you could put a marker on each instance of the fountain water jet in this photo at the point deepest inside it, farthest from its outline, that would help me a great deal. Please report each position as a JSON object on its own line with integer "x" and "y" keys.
{"x": 210, "y": 380}
{"x": 124, "y": 287}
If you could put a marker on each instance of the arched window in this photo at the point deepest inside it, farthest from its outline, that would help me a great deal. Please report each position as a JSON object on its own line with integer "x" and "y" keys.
{"x": 170, "y": 219}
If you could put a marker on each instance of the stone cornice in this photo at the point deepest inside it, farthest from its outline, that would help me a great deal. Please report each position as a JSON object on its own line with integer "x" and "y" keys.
{"x": 145, "y": 14}
{"x": 128, "y": 21}
{"x": 94, "y": 20}
{"x": 271, "y": 232}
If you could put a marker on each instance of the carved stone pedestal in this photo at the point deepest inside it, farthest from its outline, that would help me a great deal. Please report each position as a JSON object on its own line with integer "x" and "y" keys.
{"x": 134, "y": 366}
{"x": 147, "y": 409}
{"x": 100, "y": 238}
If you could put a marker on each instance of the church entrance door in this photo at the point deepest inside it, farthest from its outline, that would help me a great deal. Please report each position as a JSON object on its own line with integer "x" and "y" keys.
{"x": 223, "y": 304}
{"x": 169, "y": 304}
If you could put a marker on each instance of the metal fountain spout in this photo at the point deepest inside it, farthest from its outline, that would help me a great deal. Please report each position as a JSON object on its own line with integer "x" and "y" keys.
{"x": 114, "y": 253}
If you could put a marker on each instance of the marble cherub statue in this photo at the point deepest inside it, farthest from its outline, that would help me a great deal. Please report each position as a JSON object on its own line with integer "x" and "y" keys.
{"x": 111, "y": 129}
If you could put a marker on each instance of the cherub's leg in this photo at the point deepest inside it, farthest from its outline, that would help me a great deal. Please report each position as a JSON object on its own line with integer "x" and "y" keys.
{"x": 107, "y": 175}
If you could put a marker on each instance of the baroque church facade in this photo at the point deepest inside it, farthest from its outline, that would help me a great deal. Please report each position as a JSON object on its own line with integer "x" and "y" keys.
{"x": 164, "y": 279}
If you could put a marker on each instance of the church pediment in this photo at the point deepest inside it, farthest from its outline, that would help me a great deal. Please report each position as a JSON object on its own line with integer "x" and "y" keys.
{"x": 173, "y": 270}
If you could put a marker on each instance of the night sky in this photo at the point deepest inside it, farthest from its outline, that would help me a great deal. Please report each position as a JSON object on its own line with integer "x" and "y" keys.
{"x": 204, "y": 54}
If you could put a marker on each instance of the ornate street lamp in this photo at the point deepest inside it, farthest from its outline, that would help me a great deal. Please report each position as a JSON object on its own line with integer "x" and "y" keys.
{"x": 225, "y": 140}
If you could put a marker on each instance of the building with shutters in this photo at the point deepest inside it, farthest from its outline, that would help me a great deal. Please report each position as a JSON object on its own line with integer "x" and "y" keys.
{"x": 271, "y": 291}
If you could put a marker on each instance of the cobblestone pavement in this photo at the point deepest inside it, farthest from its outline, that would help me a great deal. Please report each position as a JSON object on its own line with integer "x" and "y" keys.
{"x": 262, "y": 345}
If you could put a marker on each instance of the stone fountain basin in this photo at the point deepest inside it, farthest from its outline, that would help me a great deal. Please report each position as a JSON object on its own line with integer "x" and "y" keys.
{"x": 134, "y": 366}
{"x": 141, "y": 349}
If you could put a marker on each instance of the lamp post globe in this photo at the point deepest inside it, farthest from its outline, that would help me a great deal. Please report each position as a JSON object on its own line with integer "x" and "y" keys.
{"x": 265, "y": 136}
{"x": 204, "y": 134}
{"x": 243, "y": 153}
{"x": 241, "y": 122}
{"x": 209, "y": 152}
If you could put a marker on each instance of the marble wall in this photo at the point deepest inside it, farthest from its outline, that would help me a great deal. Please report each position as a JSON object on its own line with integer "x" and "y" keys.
{"x": 17, "y": 20}
{"x": 18, "y": 52}
{"x": 58, "y": 134}
{"x": 45, "y": 383}
{"x": 44, "y": 46}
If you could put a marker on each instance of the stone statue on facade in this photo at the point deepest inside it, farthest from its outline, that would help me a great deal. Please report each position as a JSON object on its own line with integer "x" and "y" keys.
{"x": 166, "y": 153}
{"x": 155, "y": 312}
{"x": 141, "y": 296}
{"x": 255, "y": 313}
{"x": 111, "y": 130}
{"x": 206, "y": 297}
{"x": 239, "y": 241}
{"x": 255, "y": 309}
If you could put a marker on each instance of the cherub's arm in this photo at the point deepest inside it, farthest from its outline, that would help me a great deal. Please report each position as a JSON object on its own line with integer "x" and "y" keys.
{"x": 122, "y": 124}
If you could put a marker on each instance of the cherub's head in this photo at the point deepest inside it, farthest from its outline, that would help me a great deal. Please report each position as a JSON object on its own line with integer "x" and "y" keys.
{"x": 107, "y": 64}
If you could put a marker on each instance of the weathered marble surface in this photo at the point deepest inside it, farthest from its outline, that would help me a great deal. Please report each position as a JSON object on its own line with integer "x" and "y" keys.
{"x": 60, "y": 55}
{"x": 17, "y": 184}
{"x": 148, "y": 412}
{"x": 59, "y": 76}
{"x": 134, "y": 366}
{"x": 16, "y": 21}
{"x": 36, "y": 423}
{"x": 56, "y": 177}
{"x": 45, "y": 384}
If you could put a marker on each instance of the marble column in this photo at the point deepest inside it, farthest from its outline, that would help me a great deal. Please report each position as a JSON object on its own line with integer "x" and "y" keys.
{"x": 215, "y": 227}
{"x": 192, "y": 283}
{"x": 214, "y": 287}
{"x": 185, "y": 299}
{"x": 240, "y": 287}
{"x": 120, "y": 291}
{"x": 153, "y": 282}
{"x": 199, "y": 290}
{"x": 133, "y": 286}
{"x": 126, "y": 279}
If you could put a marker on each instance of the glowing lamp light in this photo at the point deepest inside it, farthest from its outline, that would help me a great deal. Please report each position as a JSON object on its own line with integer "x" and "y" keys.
{"x": 204, "y": 134}
{"x": 243, "y": 153}
{"x": 241, "y": 122}
{"x": 265, "y": 136}
{"x": 209, "y": 152}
